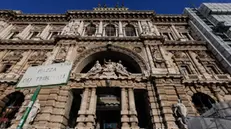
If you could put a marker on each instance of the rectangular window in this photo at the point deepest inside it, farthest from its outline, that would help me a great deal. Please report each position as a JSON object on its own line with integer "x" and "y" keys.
{"x": 166, "y": 36}
{"x": 34, "y": 34}
{"x": 14, "y": 34}
{"x": 5, "y": 68}
{"x": 211, "y": 70}
{"x": 185, "y": 36}
{"x": 54, "y": 34}
{"x": 185, "y": 70}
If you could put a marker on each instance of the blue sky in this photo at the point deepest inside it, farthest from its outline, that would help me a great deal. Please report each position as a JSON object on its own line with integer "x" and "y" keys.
{"x": 61, "y": 6}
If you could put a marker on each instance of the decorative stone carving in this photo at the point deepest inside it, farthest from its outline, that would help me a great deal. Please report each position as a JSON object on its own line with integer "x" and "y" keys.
{"x": 81, "y": 49}
{"x": 61, "y": 56}
{"x": 13, "y": 56}
{"x": 126, "y": 51}
{"x": 95, "y": 69}
{"x": 168, "y": 59}
{"x": 202, "y": 55}
{"x": 109, "y": 68}
{"x": 137, "y": 49}
{"x": 71, "y": 28}
{"x": 158, "y": 59}
{"x": 121, "y": 69}
{"x": 145, "y": 28}
{"x": 180, "y": 54}
{"x": 180, "y": 112}
{"x": 38, "y": 56}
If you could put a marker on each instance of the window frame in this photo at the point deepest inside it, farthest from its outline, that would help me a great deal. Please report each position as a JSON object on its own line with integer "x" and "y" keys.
{"x": 134, "y": 29}
{"x": 90, "y": 25}
{"x": 115, "y": 27}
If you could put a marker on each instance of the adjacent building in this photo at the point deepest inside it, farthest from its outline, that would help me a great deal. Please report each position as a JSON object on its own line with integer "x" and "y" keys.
{"x": 132, "y": 69}
{"x": 212, "y": 21}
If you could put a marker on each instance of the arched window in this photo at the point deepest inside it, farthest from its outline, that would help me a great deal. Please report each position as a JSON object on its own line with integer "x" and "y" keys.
{"x": 110, "y": 30}
{"x": 90, "y": 30}
{"x": 202, "y": 102}
{"x": 12, "y": 105}
{"x": 130, "y": 30}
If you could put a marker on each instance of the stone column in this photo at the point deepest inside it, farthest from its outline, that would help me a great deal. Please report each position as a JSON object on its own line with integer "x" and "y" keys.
{"x": 120, "y": 29}
{"x": 45, "y": 33}
{"x": 156, "y": 30}
{"x": 176, "y": 33}
{"x": 124, "y": 111}
{"x": 151, "y": 27}
{"x": 25, "y": 33}
{"x": 100, "y": 31}
{"x": 91, "y": 111}
{"x": 17, "y": 68}
{"x": 150, "y": 59}
{"x": 82, "y": 111}
{"x": 6, "y": 31}
{"x": 51, "y": 57}
{"x": 132, "y": 107}
{"x": 71, "y": 53}
{"x": 3, "y": 24}
{"x": 140, "y": 27}
{"x": 80, "y": 29}
{"x": 2, "y": 67}
{"x": 2, "y": 54}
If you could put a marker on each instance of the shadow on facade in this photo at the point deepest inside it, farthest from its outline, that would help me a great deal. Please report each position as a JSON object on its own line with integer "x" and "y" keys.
{"x": 13, "y": 102}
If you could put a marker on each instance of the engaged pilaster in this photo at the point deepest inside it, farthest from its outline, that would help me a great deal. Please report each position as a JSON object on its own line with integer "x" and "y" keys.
{"x": 91, "y": 112}
{"x": 124, "y": 111}
{"x": 82, "y": 111}
{"x": 132, "y": 107}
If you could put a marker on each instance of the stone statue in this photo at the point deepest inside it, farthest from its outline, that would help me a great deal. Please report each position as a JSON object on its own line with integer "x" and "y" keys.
{"x": 108, "y": 69}
{"x": 71, "y": 28}
{"x": 145, "y": 28}
{"x": 33, "y": 113}
{"x": 95, "y": 69}
{"x": 62, "y": 54}
{"x": 109, "y": 66}
{"x": 121, "y": 69}
{"x": 180, "y": 112}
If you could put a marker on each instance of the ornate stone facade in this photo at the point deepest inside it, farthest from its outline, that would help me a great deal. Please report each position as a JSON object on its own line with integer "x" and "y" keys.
{"x": 129, "y": 69}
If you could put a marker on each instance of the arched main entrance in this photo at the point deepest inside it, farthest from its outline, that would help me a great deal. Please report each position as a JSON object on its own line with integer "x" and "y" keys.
{"x": 109, "y": 98}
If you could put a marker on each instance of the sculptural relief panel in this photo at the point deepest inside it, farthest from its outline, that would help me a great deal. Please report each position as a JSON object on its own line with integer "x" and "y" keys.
{"x": 13, "y": 56}
{"x": 73, "y": 28}
{"x": 157, "y": 57}
{"x": 61, "y": 56}
{"x": 38, "y": 57}
{"x": 146, "y": 30}
{"x": 108, "y": 69}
